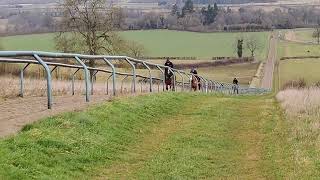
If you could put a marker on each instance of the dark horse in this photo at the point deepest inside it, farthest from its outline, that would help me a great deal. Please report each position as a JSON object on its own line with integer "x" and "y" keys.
{"x": 169, "y": 81}
{"x": 195, "y": 83}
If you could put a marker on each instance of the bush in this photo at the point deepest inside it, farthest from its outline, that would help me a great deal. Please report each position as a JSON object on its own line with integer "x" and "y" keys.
{"x": 295, "y": 84}
{"x": 317, "y": 84}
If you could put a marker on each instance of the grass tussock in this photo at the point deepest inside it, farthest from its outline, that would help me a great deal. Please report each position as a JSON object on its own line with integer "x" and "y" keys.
{"x": 303, "y": 101}
{"x": 302, "y": 107}
{"x": 295, "y": 84}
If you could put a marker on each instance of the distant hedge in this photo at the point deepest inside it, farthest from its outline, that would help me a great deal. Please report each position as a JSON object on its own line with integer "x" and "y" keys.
{"x": 300, "y": 57}
{"x": 171, "y": 58}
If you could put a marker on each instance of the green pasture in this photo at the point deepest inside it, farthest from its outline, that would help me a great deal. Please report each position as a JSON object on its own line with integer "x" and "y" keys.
{"x": 292, "y": 49}
{"x": 158, "y": 43}
{"x": 243, "y": 72}
{"x": 307, "y": 69}
{"x": 305, "y": 35}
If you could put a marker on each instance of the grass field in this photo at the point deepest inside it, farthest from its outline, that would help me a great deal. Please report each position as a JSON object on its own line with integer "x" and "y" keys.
{"x": 157, "y": 43}
{"x": 291, "y": 49}
{"x": 145, "y": 138}
{"x": 305, "y": 35}
{"x": 307, "y": 69}
{"x": 243, "y": 72}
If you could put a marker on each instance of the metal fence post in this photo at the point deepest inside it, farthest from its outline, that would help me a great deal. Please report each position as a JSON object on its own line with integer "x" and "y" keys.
{"x": 189, "y": 79}
{"x": 122, "y": 82}
{"x": 113, "y": 75}
{"x": 205, "y": 84}
{"x": 93, "y": 79}
{"x": 49, "y": 88}
{"x": 54, "y": 68}
{"x": 182, "y": 80}
{"x": 108, "y": 84}
{"x": 150, "y": 75}
{"x": 73, "y": 77}
{"x": 87, "y": 78}
{"x": 212, "y": 85}
{"x": 22, "y": 80}
{"x": 134, "y": 76}
{"x": 163, "y": 78}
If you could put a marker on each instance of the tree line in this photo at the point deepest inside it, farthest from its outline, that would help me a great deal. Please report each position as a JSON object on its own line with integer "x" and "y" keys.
{"x": 213, "y": 18}
{"x": 185, "y": 16}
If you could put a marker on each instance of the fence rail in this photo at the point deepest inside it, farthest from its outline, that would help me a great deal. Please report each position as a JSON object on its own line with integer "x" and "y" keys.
{"x": 51, "y": 64}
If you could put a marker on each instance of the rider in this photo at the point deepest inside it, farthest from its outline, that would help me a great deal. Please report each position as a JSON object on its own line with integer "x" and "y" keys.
{"x": 194, "y": 71}
{"x": 168, "y": 73}
{"x": 235, "y": 86}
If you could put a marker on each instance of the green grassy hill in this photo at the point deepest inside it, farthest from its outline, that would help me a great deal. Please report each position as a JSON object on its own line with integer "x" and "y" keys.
{"x": 157, "y": 43}
{"x": 163, "y": 136}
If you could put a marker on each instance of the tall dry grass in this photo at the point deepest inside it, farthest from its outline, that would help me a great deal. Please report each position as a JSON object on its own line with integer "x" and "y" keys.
{"x": 297, "y": 102}
{"x": 10, "y": 87}
{"x": 302, "y": 107}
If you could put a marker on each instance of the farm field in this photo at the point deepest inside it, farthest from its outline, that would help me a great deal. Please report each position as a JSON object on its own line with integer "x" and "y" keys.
{"x": 294, "y": 69}
{"x": 244, "y": 72}
{"x": 291, "y": 49}
{"x": 143, "y": 137}
{"x": 157, "y": 43}
{"x": 305, "y": 35}
{"x": 307, "y": 69}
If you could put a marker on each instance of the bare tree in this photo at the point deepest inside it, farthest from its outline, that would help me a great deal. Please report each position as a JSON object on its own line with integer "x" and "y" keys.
{"x": 316, "y": 33}
{"x": 253, "y": 44}
{"x": 135, "y": 49}
{"x": 89, "y": 26}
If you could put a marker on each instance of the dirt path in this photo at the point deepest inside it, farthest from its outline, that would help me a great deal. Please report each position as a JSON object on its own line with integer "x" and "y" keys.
{"x": 16, "y": 113}
{"x": 267, "y": 80}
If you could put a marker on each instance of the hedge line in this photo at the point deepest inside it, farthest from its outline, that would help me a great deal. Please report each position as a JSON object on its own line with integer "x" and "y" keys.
{"x": 300, "y": 57}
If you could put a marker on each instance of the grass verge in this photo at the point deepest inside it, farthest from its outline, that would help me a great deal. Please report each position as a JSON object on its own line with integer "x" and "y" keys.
{"x": 160, "y": 136}
{"x": 74, "y": 144}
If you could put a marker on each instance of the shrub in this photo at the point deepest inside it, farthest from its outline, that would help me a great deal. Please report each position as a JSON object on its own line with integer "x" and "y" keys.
{"x": 295, "y": 84}
{"x": 317, "y": 84}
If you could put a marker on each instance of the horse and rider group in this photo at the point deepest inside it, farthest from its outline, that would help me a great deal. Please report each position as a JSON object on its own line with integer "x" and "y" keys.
{"x": 195, "y": 79}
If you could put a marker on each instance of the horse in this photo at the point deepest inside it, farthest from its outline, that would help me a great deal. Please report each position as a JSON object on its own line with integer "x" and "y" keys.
{"x": 169, "y": 82}
{"x": 195, "y": 83}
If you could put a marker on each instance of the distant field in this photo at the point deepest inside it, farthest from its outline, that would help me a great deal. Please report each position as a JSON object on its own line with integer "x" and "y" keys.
{"x": 243, "y": 72}
{"x": 305, "y": 35}
{"x": 157, "y": 43}
{"x": 307, "y": 69}
{"x": 297, "y": 49}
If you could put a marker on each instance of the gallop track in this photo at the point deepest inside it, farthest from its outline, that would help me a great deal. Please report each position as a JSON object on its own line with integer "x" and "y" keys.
{"x": 158, "y": 136}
